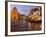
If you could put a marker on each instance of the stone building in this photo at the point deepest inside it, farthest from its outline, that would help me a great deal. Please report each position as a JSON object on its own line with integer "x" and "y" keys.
{"x": 35, "y": 18}
{"x": 14, "y": 15}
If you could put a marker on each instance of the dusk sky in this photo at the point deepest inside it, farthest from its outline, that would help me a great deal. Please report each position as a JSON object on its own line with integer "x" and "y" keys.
{"x": 23, "y": 9}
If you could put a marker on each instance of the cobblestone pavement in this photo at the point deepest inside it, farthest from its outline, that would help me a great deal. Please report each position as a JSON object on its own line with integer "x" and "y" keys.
{"x": 25, "y": 26}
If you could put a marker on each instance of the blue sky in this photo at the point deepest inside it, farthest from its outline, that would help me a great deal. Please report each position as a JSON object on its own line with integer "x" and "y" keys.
{"x": 23, "y": 9}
